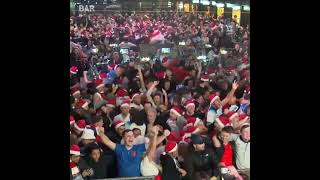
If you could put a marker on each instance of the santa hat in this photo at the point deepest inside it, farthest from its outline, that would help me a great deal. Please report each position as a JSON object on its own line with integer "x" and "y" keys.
{"x": 74, "y": 168}
{"x": 81, "y": 104}
{"x": 176, "y": 110}
{"x": 170, "y": 147}
{"x": 111, "y": 66}
{"x": 117, "y": 123}
{"x": 231, "y": 115}
{"x": 75, "y": 150}
{"x": 103, "y": 75}
{"x": 230, "y": 68}
{"x": 188, "y": 103}
{"x": 108, "y": 34}
{"x": 72, "y": 121}
{"x": 160, "y": 75}
{"x": 185, "y": 137}
{"x": 223, "y": 121}
{"x": 74, "y": 91}
{"x": 111, "y": 103}
{"x": 205, "y": 78}
{"x": 99, "y": 83}
{"x": 193, "y": 130}
{"x": 73, "y": 69}
{"x": 194, "y": 121}
{"x": 243, "y": 117}
{"x": 213, "y": 97}
{"x": 248, "y": 89}
{"x": 80, "y": 125}
{"x": 125, "y": 103}
{"x": 88, "y": 134}
{"x": 173, "y": 137}
{"x": 165, "y": 60}
{"x": 135, "y": 95}
{"x": 121, "y": 92}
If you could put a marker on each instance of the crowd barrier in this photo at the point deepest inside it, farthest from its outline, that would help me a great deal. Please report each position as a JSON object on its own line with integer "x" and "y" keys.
{"x": 131, "y": 178}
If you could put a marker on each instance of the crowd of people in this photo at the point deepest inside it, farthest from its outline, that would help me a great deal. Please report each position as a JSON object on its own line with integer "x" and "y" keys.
{"x": 179, "y": 111}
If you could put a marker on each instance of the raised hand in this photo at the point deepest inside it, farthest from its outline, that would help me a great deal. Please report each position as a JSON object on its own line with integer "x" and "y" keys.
{"x": 235, "y": 85}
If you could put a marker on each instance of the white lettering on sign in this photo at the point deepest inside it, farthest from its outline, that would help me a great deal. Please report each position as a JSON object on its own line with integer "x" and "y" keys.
{"x": 86, "y": 8}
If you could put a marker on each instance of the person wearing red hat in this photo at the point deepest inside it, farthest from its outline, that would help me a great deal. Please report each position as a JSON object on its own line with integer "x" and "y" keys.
{"x": 136, "y": 102}
{"x": 176, "y": 121}
{"x": 107, "y": 112}
{"x": 216, "y": 105}
{"x": 77, "y": 172}
{"x": 190, "y": 107}
{"x": 125, "y": 113}
{"x": 74, "y": 160}
{"x": 171, "y": 168}
{"x": 75, "y": 92}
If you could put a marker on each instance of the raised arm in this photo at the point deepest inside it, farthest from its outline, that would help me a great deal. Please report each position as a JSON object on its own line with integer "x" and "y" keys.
{"x": 155, "y": 83}
{"x": 166, "y": 103}
{"x": 85, "y": 77}
{"x": 151, "y": 153}
{"x": 216, "y": 142}
{"x": 230, "y": 94}
{"x": 106, "y": 140}
{"x": 143, "y": 86}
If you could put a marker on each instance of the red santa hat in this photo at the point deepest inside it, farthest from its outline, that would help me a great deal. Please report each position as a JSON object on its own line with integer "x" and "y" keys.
{"x": 193, "y": 130}
{"x": 117, "y": 123}
{"x": 165, "y": 60}
{"x": 75, "y": 150}
{"x": 230, "y": 68}
{"x": 103, "y": 75}
{"x": 243, "y": 117}
{"x": 223, "y": 121}
{"x": 170, "y": 147}
{"x": 248, "y": 89}
{"x": 160, "y": 75}
{"x": 185, "y": 136}
{"x": 135, "y": 95}
{"x": 99, "y": 83}
{"x": 82, "y": 104}
{"x": 121, "y": 92}
{"x": 232, "y": 115}
{"x": 111, "y": 66}
{"x": 205, "y": 78}
{"x": 188, "y": 103}
{"x": 125, "y": 103}
{"x": 108, "y": 34}
{"x": 176, "y": 110}
{"x": 74, "y": 168}
{"x": 80, "y": 125}
{"x": 213, "y": 97}
{"x": 74, "y": 91}
{"x": 73, "y": 69}
{"x": 72, "y": 121}
{"x": 194, "y": 121}
{"x": 111, "y": 103}
{"x": 173, "y": 137}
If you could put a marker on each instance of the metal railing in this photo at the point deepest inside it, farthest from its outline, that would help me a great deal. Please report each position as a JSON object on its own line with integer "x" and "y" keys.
{"x": 131, "y": 178}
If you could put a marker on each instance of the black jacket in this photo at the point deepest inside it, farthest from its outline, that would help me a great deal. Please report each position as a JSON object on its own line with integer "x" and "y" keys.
{"x": 201, "y": 162}
{"x": 100, "y": 168}
{"x": 169, "y": 169}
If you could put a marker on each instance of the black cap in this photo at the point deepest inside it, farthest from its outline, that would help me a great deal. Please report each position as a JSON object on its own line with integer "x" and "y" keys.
{"x": 197, "y": 139}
